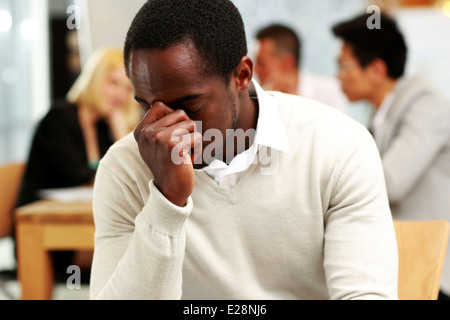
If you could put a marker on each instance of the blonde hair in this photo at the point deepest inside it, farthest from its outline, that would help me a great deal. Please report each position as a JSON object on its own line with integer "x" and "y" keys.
{"x": 86, "y": 88}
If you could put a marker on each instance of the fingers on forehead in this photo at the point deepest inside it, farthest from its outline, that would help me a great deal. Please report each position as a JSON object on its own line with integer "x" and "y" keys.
{"x": 161, "y": 109}
{"x": 162, "y": 116}
{"x": 163, "y": 131}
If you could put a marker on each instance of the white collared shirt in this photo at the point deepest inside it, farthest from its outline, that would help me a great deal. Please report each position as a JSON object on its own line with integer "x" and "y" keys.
{"x": 270, "y": 132}
{"x": 381, "y": 113}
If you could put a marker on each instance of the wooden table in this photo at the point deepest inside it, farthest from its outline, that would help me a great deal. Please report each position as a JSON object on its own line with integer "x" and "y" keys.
{"x": 45, "y": 226}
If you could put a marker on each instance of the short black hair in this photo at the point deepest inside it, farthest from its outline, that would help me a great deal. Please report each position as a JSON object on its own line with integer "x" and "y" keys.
{"x": 386, "y": 43}
{"x": 286, "y": 39}
{"x": 215, "y": 27}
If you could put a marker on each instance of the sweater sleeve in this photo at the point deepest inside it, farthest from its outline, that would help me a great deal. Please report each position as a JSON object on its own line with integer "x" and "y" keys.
{"x": 358, "y": 222}
{"x": 137, "y": 257}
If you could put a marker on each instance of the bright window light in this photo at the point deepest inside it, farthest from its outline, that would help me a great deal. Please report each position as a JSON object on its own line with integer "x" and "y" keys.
{"x": 29, "y": 29}
{"x": 446, "y": 8}
{"x": 10, "y": 75}
{"x": 5, "y": 21}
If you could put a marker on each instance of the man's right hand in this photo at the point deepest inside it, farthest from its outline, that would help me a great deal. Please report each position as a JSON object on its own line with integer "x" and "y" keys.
{"x": 162, "y": 133}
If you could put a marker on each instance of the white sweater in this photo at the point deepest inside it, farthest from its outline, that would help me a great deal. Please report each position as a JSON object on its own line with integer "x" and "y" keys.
{"x": 320, "y": 228}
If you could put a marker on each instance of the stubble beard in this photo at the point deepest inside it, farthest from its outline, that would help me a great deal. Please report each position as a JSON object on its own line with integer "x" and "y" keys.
{"x": 219, "y": 153}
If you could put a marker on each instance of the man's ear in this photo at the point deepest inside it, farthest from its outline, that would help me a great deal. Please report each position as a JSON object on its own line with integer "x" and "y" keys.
{"x": 379, "y": 69}
{"x": 288, "y": 62}
{"x": 243, "y": 74}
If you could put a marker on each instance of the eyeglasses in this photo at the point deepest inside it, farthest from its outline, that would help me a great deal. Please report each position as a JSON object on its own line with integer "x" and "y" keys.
{"x": 344, "y": 66}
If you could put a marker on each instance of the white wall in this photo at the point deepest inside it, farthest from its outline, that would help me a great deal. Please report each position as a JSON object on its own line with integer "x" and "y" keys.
{"x": 105, "y": 23}
{"x": 427, "y": 33}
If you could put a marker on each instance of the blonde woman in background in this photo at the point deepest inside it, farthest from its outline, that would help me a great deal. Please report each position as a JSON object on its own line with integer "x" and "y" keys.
{"x": 75, "y": 134}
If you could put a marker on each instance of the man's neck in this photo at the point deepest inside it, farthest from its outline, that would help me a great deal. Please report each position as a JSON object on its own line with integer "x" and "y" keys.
{"x": 244, "y": 130}
{"x": 382, "y": 91}
{"x": 295, "y": 79}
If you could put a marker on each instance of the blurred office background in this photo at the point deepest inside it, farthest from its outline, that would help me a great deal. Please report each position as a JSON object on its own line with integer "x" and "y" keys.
{"x": 41, "y": 52}
{"x": 40, "y": 55}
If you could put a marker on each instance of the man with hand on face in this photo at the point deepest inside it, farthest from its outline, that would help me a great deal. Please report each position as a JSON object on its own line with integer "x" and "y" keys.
{"x": 218, "y": 224}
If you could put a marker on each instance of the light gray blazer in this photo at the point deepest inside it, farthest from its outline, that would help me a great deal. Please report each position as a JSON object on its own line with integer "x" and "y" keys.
{"x": 414, "y": 143}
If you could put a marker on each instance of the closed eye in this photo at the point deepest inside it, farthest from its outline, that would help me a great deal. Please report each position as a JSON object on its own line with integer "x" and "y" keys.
{"x": 191, "y": 110}
{"x": 143, "y": 103}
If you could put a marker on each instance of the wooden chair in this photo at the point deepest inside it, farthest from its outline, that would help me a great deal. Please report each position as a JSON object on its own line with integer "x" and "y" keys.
{"x": 10, "y": 180}
{"x": 421, "y": 249}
